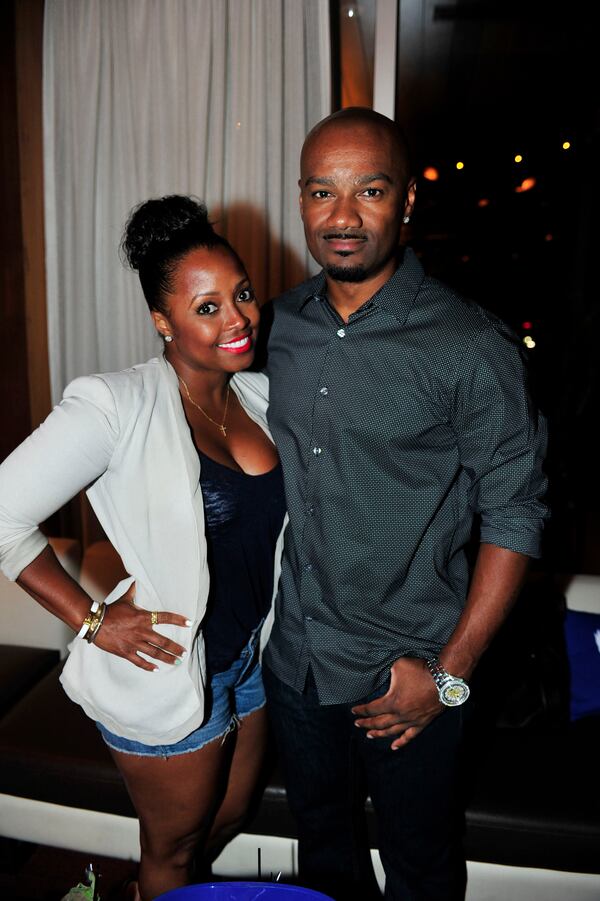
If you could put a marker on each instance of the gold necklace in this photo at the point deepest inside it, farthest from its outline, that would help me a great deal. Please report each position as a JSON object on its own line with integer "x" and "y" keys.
{"x": 221, "y": 425}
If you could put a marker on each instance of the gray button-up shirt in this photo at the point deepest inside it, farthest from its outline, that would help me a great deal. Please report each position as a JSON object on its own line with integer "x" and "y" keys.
{"x": 394, "y": 430}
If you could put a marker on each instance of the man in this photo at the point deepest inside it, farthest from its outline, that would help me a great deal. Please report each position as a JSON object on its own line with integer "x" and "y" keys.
{"x": 400, "y": 411}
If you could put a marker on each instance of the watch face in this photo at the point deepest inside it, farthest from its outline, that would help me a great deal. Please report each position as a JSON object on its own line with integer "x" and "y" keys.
{"x": 454, "y": 693}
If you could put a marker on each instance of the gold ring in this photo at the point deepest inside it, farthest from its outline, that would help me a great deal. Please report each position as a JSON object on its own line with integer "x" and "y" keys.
{"x": 154, "y": 617}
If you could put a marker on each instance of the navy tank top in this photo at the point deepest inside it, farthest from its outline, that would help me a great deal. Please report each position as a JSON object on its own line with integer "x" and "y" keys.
{"x": 244, "y": 515}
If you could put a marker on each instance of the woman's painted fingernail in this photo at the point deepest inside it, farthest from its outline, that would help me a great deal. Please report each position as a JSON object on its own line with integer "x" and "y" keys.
{"x": 183, "y": 655}
{"x": 177, "y": 662}
{"x": 188, "y": 622}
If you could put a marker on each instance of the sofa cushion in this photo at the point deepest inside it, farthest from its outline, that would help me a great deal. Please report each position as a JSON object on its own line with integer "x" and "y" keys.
{"x": 20, "y": 669}
{"x": 534, "y": 797}
{"x": 51, "y": 751}
{"x": 582, "y": 631}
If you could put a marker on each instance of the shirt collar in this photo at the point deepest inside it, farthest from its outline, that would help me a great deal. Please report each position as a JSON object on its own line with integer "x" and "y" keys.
{"x": 315, "y": 287}
{"x": 395, "y": 297}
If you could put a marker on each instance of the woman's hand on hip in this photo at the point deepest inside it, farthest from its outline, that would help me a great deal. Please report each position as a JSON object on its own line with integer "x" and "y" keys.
{"x": 128, "y": 630}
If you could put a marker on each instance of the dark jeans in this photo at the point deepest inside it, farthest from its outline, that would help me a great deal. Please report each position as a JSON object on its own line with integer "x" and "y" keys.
{"x": 330, "y": 766}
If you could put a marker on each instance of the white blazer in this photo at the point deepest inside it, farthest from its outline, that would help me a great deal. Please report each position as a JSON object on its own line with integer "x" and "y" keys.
{"x": 125, "y": 435}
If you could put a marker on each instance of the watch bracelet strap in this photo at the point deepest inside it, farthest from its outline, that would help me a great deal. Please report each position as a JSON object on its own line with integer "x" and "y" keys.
{"x": 439, "y": 674}
{"x": 436, "y": 669}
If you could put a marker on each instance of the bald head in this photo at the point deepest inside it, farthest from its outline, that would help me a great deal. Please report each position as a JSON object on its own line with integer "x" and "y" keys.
{"x": 356, "y": 119}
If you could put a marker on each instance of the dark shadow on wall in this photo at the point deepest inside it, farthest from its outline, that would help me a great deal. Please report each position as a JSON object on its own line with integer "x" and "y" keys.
{"x": 273, "y": 266}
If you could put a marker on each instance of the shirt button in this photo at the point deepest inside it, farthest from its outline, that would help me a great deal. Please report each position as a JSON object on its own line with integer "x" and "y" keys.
{"x": 308, "y": 567}
{"x": 317, "y": 451}
{"x": 308, "y": 619}
{"x": 310, "y": 510}
{"x": 341, "y": 333}
{"x": 324, "y": 391}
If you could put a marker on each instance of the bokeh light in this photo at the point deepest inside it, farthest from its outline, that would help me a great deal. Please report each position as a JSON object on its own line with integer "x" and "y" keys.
{"x": 526, "y": 185}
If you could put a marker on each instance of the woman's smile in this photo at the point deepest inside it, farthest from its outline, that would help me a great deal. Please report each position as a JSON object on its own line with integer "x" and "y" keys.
{"x": 237, "y": 345}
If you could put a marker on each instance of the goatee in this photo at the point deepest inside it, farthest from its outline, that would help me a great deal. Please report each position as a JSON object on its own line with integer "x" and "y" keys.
{"x": 347, "y": 273}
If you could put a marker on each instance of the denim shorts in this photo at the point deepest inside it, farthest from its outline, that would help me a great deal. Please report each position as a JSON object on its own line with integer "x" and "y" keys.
{"x": 230, "y": 696}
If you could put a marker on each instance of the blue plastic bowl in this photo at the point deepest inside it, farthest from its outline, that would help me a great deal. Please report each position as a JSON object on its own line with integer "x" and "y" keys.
{"x": 243, "y": 891}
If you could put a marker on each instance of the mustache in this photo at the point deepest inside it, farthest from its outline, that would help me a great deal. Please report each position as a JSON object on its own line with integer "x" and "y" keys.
{"x": 345, "y": 236}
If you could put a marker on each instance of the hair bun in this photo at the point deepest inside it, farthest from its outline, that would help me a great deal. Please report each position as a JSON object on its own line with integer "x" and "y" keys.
{"x": 155, "y": 225}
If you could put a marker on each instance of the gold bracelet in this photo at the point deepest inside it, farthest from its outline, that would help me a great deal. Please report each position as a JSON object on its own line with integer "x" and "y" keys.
{"x": 85, "y": 626}
{"x": 97, "y": 621}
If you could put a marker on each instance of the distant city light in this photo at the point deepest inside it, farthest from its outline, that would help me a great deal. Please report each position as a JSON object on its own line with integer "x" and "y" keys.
{"x": 460, "y": 165}
{"x": 548, "y": 237}
{"x": 566, "y": 145}
{"x": 526, "y": 185}
{"x": 465, "y": 258}
{"x": 431, "y": 173}
{"x": 529, "y": 342}
{"x": 483, "y": 201}
{"x": 518, "y": 158}
{"x": 527, "y": 325}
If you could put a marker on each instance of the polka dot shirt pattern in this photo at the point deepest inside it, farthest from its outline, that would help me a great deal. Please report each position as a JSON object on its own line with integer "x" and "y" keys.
{"x": 394, "y": 430}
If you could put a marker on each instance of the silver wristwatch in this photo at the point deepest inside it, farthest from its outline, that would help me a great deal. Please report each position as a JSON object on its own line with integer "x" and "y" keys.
{"x": 452, "y": 690}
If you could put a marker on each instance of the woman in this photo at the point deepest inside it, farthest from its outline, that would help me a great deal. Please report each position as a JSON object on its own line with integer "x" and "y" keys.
{"x": 186, "y": 483}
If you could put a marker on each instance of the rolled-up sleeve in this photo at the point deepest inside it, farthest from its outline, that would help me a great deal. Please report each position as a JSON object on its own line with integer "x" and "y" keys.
{"x": 69, "y": 451}
{"x": 502, "y": 443}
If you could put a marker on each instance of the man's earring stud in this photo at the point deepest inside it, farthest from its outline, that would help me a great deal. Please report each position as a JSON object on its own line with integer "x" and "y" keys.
{"x": 406, "y": 220}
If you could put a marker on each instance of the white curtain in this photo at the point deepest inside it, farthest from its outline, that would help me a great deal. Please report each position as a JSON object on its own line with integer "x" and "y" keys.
{"x": 150, "y": 97}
